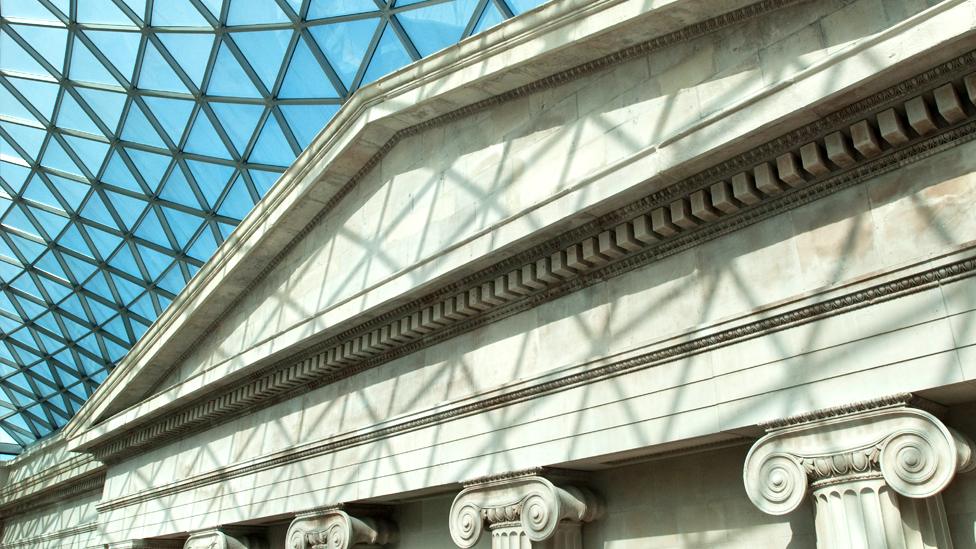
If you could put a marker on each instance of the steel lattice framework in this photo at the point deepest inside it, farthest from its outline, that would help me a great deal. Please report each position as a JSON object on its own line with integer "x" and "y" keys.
{"x": 134, "y": 137}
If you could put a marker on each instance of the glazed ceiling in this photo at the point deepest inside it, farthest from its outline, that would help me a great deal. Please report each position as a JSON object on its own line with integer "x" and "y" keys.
{"x": 135, "y": 135}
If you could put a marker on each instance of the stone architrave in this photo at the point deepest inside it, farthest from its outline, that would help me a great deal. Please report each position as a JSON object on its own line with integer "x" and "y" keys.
{"x": 876, "y": 471}
{"x": 523, "y": 510}
{"x": 221, "y": 538}
{"x": 341, "y": 527}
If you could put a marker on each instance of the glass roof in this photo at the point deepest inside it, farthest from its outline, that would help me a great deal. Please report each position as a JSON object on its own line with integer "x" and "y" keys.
{"x": 135, "y": 135}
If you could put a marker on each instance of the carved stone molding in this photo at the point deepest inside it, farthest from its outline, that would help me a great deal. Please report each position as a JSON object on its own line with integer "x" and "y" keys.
{"x": 876, "y": 470}
{"x": 341, "y": 527}
{"x": 522, "y": 510}
{"x": 224, "y": 538}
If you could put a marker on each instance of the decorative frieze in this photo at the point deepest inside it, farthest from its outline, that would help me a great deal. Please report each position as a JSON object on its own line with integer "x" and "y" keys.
{"x": 342, "y": 527}
{"x": 523, "y": 510}
{"x": 875, "y": 470}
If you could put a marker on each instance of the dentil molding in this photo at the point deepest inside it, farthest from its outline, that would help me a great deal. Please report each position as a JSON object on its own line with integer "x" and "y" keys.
{"x": 341, "y": 527}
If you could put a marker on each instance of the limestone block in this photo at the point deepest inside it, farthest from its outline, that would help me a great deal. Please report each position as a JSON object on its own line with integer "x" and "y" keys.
{"x": 661, "y": 222}
{"x": 948, "y": 104}
{"x": 788, "y": 170}
{"x": 767, "y": 181}
{"x": 643, "y": 230}
{"x": 812, "y": 158}
{"x": 970, "y": 82}
{"x": 744, "y": 189}
{"x": 919, "y": 116}
{"x": 607, "y": 245}
{"x": 681, "y": 214}
{"x": 838, "y": 150}
{"x": 624, "y": 236}
{"x": 864, "y": 139}
{"x": 701, "y": 205}
{"x": 891, "y": 127}
{"x": 722, "y": 197}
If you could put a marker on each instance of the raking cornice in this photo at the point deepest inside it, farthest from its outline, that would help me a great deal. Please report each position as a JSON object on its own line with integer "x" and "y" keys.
{"x": 666, "y": 222}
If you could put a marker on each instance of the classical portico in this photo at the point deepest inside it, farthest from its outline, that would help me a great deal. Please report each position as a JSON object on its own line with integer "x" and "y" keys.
{"x": 608, "y": 274}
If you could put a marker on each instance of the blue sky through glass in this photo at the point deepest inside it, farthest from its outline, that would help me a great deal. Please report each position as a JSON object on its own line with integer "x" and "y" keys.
{"x": 134, "y": 138}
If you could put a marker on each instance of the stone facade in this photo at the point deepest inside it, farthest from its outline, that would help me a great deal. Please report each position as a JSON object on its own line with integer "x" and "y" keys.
{"x": 614, "y": 274}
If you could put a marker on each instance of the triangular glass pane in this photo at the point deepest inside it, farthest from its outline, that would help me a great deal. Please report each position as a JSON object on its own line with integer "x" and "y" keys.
{"x": 306, "y": 121}
{"x": 105, "y": 242}
{"x": 16, "y": 219}
{"x": 237, "y": 203}
{"x": 92, "y": 153}
{"x": 137, "y": 6}
{"x": 11, "y": 106}
{"x": 438, "y": 26}
{"x": 50, "y": 42}
{"x": 143, "y": 307}
{"x": 344, "y": 45}
{"x": 137, "y": 128}
{"x": 101, "y": 11}
{"x": 211, "y": 178}
{"x": 73, "y": 117}
{"x": 203, "y": 139}
{"x": 151, "y": 166}
{"x": 118, "y": 174}
{"x": 178, "y": 190}
{"x": 28, "y": 9}
{"x": 203, "y": 247}
{"x": 37, "y": 191}
{"x": 264, "y": 50}
{"x": 14, "y": 174}
{"x": 271, "y": 146}
{"x": 31, "y": 250}
{"x": 151, "y": 229}
{"x": 305, "y": 77}
{"x": 107, "y": 105}
{"x": 41, "y": 94}
{"x": 49, "y": 263}
{"x": 121, "y": 48}
{"x": 156, "y": 74}
{"x": 72, "y": 191}
{"x": 246, "y": 12}
{"x": 263, "y": 181}
{"x": 52, "y": 223}
{"x": 124, "y": 261}
{"x": 30, "y": 139}
{"x": 86, "y": 67}
{"x": 191, "y": 51}
{"x": 129, "y": 207}
{"x": 239, "y": 121}
{"x": 56, "y": 158}
{"x": 128, "y": 291}
{"x": 96, "y": 210}
{"x": 183, "y": 224}
{"x": 390, "y": 55}
{"x": 15, "y": 58}
{"x": 156, "y": 262}
{"x": 172, "y": 114}
{"x": 228, "y": 78}
{"x": 489, "y": 18}
{"x": 176, "y": 13}
{"x": 214, "y": 6}
{"x": 320, "y": 9}
{"x": 522, "y": 6}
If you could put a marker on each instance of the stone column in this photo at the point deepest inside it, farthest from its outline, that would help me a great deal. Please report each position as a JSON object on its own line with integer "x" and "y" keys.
{"x": 875, "y": 470}
{"x": 342, "y": 527}
{"x": 226, "y": 538}
{"x": 523, "y": 510}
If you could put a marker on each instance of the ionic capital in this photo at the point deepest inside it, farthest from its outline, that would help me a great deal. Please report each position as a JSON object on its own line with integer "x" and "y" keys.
{"x": 911, "y": 449}
{"x": 341, "y": 527}
{"x": 526, "y": 500}
{"x": 225, "y": 538}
